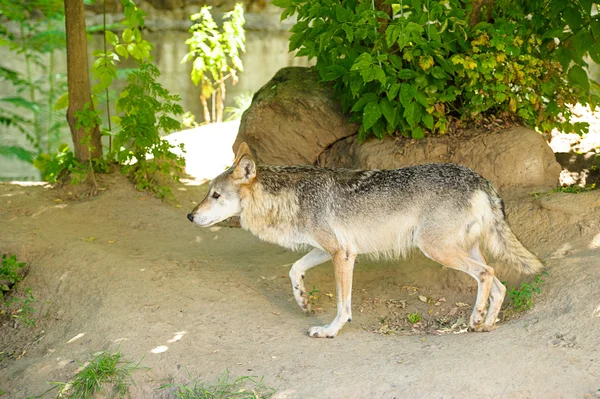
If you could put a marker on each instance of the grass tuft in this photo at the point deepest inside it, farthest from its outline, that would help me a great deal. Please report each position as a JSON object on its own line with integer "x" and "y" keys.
{"x": 241, "y": 388}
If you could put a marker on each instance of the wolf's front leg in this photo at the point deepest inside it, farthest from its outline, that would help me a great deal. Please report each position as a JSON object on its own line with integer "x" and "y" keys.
{"x": 308, "y": 261}
{"x": 343, "y": 267}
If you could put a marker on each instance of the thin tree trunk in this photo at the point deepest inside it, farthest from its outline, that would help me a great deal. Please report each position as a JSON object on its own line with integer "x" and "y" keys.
{"x": 79, "y": 81}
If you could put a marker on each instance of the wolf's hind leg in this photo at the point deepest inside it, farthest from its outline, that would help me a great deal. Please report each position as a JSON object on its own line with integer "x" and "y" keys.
{"x": 455, "y": 258}
{"x": 497, "y": 293}
{"x": 343, "y": 266}
{"x": 308, "y": 261}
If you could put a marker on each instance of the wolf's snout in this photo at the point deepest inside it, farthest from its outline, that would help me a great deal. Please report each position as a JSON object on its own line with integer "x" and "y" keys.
{"x": 190, "y": 217}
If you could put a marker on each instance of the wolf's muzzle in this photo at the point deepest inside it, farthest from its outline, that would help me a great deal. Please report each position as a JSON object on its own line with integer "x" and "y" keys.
{"x": 190, "y": 217}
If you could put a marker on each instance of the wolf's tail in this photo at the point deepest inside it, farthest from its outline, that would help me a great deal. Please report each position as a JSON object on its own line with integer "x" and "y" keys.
{"x": 502, "y": 243}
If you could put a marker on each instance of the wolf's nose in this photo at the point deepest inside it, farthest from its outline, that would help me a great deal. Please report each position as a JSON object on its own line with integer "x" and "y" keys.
{"x": 190, "y": 217}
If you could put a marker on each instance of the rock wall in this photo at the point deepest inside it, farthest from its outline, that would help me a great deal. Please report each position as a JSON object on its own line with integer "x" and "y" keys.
{"x": 293, "y": 119}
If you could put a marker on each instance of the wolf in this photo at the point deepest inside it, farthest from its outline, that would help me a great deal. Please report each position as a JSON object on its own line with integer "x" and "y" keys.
{"x": 447, "y": 211}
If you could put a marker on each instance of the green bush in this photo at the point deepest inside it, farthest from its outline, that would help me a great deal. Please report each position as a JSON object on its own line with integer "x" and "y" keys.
{"x": 415, "y": 66}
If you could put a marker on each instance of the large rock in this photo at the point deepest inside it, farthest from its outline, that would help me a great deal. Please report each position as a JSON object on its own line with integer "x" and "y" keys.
{"x": 293, "y": 119}
{"x": 516, "y": 158}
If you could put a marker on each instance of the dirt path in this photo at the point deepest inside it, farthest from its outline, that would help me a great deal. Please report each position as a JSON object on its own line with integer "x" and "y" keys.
{"x": 202, "y": 301}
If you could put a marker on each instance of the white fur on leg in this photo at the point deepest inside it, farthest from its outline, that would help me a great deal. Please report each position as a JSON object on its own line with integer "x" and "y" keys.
{"x": 308, "y": 261}
{"x": 330, "y": 330}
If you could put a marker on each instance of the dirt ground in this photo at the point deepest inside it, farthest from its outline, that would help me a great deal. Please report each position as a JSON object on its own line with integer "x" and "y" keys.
{"x": 125, "y": 271}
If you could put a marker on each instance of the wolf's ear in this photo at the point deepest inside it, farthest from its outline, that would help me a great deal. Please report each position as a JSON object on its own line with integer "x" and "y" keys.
{"x": 241, "y": 152}
{"x": 244, "y": 170}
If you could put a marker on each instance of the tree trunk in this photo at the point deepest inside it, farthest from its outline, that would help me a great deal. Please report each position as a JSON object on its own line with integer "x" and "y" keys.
{"x": 79, "y": 81}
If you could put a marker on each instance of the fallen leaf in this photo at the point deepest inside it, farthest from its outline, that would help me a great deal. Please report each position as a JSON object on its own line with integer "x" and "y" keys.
{"x": 57, "y": 200}
{"x": 329, "y": 294}
{"x": 462, "y": 305}
{"x": 111, "y": 241}
{"x": 422, "y": 298}
{"x": 89, "y": 239}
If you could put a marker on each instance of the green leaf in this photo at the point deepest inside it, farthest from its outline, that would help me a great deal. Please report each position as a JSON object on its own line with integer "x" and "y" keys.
{"x": 363, "y": 61}
{"x": 127, "y": 35}
{"x": 396, "y": 61}
{"x": 349, "y": 32}
{"x": 282, "y": 3}
{"x": 578, "y": 76}
{"x": 21, "y": 102}
{"x": 413, "y": 113}
{"x": 379, "y": 129}
{"x": 428, "y": 121}
{"x": 122, "y": 50}
{"x": 360, "y": 104}
{"x": 388, "y": 111}
{"x": 393, "y": 91}
{"x": 371, "y": 114}
{"x": 333, "y": 72}
{"x": 439, "y": 73}
{"x": 407, "y": 93}
{"x": 17, "y": 152}
{"x": 111, "y": 38}
{"x": 407, "y": 74}
{"x": 500, "y": 97}
{"x": 573, "y": 18}
{"x": 417, "y": 133}
{"x": 62, "y": 102}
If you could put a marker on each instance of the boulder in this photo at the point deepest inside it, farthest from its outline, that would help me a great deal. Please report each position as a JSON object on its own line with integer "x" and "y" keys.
{"x": 293, "y": 119}
{"x": 513, "y": 159}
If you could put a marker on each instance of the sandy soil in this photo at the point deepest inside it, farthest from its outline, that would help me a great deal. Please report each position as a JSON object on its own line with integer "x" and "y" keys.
{"x": 130, "y": 272}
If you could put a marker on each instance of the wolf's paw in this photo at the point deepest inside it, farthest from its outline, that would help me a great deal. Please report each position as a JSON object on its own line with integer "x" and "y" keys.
{"x": 322, "y": 332}
{"x": 476, "y": 321}
{"x": 300, "y": 294}
{"x": 302, "y": 300}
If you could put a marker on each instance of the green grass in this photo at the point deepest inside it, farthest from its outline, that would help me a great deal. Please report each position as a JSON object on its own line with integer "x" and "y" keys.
{"x": 574, "y": 189}
{"x": 413, "y": 318}
{"x": 522, "y": 297}
{"x": 225, "y": 388}
{"x": 104, "y": 371}
{"x": 11, "y": 274}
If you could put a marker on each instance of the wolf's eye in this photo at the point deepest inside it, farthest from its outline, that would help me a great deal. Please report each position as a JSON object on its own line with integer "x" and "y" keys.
{"x": 216, "y": 195}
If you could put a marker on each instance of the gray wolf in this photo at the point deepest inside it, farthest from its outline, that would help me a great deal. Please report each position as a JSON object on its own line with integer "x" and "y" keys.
{"x": 447, "y": 211}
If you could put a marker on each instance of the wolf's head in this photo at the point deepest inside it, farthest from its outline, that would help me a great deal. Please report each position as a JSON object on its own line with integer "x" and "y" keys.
{"x": 223, "y": 199}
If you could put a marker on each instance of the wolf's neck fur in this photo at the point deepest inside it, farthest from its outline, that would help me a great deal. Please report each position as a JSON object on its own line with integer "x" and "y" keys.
{"x": 271, "y": 215}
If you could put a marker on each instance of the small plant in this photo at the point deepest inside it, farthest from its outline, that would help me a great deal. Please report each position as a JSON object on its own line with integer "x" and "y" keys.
{"x": 215, "y": 56}
{"x": 242, "y": 103}
{"x": 312, "y": 294}
{"x": 147, "y": 112}
{"x": 522, "y": 297}
{"x": 104, "y": 370}
{"x": 11, "y": 274}
{"x": 240, "y": 388}
{"x": 414, "y": 318}
{"x": 57, "y": 166}
{"x": 575, "y": 189}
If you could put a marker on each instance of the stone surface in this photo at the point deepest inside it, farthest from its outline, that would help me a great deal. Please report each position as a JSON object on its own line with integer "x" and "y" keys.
{"x": 517, "y": 158}
{"x": 293, "y": 119}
